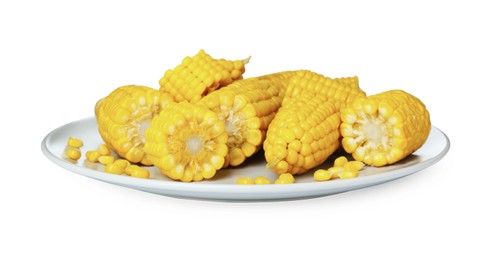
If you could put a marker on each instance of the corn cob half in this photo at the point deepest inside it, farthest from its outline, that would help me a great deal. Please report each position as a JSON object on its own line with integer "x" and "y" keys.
{"x": 187, "y": 142}
{"x": 247, "y": 107}
{"x": 124, "y": 115}
{"x": 303, "y": 134}
{"x": 384, "y": 128}
{"x": 341, "y": 91}
{"x": 199, "y": 75}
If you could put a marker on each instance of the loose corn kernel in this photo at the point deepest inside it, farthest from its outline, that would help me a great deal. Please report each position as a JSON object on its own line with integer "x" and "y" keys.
{"x": 354, "y": 166}
{"x": 346, "y": 174}
{"x": 285, "y": 178}
{"x": 73, "y": 153}
{"x": 122, "y": 163}
{"x": 335, "y": 171}
{"x": 106, "y": 159}
{"x": 261, "y": 180}
{"x": 114, "y": 168}
{"x": 322, "y": 175}
{"x": 140, "y": 172}
{"x": 340, "y": 161}
{"x": 245, "y": 181}
{"x": 104, "y": 150}
{"x": 137, "y": 171}
{"x": 92, "y": 156}
{"x": 74, "y": 142}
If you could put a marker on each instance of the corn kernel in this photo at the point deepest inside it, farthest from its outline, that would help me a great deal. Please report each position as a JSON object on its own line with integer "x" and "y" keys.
{"x": 122, "y": 163}
{"x": 140, "y": 172}
{"x": 346, "y": 174}
{"x": 92, "y": 155}
{"x": 103, "y": 149}
{"x": 322, "y": 175}
{"x": 340, "y": 161}
{"x": 335, "y": 171}
{"x": 74, "y": 142}
{"x": 261, "y": 180}
{"x": 73, "y": 153}
{"x": 285, "y": 178}
{"x": 106, "y": 159}
{"x": 354, "y": 166}
{"x": 245, "y": 181}
{"x": 113, "y": 168}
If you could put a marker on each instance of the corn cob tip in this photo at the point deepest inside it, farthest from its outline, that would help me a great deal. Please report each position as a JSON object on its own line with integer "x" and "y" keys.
{"x": 246, "y": 61}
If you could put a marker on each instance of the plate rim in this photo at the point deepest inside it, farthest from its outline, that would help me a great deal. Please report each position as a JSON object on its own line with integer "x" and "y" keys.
{"x": 234, "y": 191}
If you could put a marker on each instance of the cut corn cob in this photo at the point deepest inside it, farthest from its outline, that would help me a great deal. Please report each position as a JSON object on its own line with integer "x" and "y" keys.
{"x": 341, "y": 91}
{"x": 124, "y": 115}
{"x": 199, "y": 75}
{"x": 247, "y": 107}
{"x": 384, "y": 128}
{"x": 303, "y": 134}
{"x": 187, "y": 142}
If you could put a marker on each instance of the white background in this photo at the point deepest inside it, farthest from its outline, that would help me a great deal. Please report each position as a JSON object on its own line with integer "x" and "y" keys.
{"x": 57, "y": 58}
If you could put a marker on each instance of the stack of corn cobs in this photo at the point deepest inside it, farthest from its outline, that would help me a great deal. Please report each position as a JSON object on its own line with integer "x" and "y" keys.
{"x": 205, "y": 117}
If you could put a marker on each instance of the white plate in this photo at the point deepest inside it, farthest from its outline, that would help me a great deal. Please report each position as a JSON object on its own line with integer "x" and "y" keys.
{"x": 223, "y": 186}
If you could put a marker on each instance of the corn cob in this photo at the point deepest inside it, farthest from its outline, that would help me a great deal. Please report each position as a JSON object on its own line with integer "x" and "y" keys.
{"x": 247, "y": 107}
{"x": 124, "y": 115}
{"x": 341, "y": 91}
{"x": 303, "y": 134}
{"x": 187, "y": 142}
{"x": 384, "y": 128}
{"x": 199, "y": 75}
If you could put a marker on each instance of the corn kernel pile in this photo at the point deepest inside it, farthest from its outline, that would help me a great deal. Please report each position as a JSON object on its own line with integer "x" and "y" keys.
{"x": 205, "y": 117}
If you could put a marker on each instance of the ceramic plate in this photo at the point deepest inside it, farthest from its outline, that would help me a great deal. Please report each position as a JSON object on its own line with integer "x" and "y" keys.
{"x": 223, "y": 186}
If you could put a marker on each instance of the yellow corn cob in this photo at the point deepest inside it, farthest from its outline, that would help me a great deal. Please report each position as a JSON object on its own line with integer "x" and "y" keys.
{"x": 187, "y": 142}
{"x": 124, "y": 115}
{"x": 303, "y": 134}
{"x": 384, "y": 128}
{"x": 341, "y": 91}
{"x": 247, "y": 107}
{"x": 199, "y": 75}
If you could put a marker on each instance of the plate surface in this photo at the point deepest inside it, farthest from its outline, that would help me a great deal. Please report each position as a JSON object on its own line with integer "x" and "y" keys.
{"x": 223, "y": 186}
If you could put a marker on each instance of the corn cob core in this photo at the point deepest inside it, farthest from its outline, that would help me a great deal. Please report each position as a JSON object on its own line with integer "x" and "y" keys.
{"x": 341, "y": 91}
{"x": 122, "y": 118}
{"x": 247, "y": 107}
{"x": 199, "y": 75}
{"x": 187, "y": 142}
{"x": 384, "y": 128}
{"x": 303, "y": 134}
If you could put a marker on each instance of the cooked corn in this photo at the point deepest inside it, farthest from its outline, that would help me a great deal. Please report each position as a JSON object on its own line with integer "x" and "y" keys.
{"x": 346, "y": 174}
{"x": 260, "y": 180}
{"x": 104, "y": 150}
{"x": 73, "y": 153}
{"x": 244, "y": 181}
{"x": 322, "y": 175}
{"x": 384, "y": 128}
{"x": 303, "y": 134}
{"x": 247, "y": 107}
{"x": 106, "y": 159}
{"x": 93, "y": 155}
{"x": 341, "y": 91}
{"x": 114, "y": 168}
{"x": 137, "y": 171}
{"x": 340, "y": 161}
{"x": 354, "y": 166}
{"x": 74, "y": 142}
{"x": 123, "y": 117}
{"x": 199, "y": 75}
{"x": 187, "y": 142}
{"x": 285, "y": 178}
